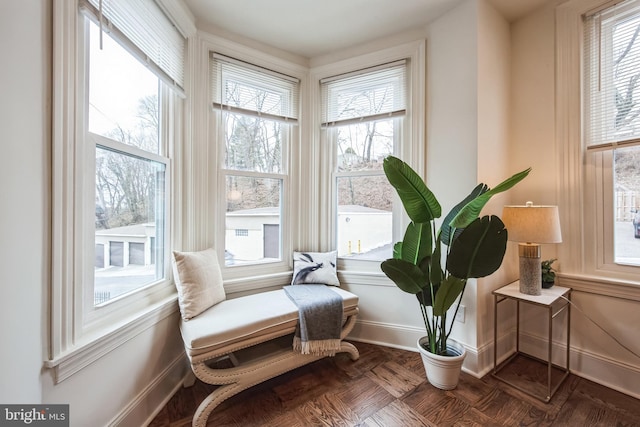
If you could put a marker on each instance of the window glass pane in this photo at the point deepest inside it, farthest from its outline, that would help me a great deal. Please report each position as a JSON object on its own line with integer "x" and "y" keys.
{"x": 253, "y": 220}
{"x": 627, "y": 205}
{"x": 365, "y": 217}
{"x": 364, "y": 146}
{"x": 129, "y": 223}
{"x": 253, "y": 143}
{"x": 123, "y": 95}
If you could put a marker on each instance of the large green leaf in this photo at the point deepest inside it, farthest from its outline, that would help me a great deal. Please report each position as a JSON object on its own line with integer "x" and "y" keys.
{"x": 446, "y": 227}
{"x": 449, "y": 291}
{"x": 417, "y": 242}
{"x": 472, "y": 210}
{"x": 405, "y": 275}
{"x": 419, "y": 202}
{"x": 479, "y": 249}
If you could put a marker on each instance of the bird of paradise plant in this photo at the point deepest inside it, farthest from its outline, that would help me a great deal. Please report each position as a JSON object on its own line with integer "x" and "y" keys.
{"x": 469, "y": 246}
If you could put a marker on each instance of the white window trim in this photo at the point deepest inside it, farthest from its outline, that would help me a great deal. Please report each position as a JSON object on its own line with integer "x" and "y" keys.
{"x": 204, "y": 162}
{"x": 581, "y": 268}
{"x": 413, "y": 150}
{"x": 72, "y": 344}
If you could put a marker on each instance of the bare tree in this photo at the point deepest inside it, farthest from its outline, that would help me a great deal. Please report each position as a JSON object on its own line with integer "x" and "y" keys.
{"x": 125, "y": 185}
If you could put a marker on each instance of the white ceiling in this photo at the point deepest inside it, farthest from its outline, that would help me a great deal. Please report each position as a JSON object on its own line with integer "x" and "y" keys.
{"x": 310, "y": 28}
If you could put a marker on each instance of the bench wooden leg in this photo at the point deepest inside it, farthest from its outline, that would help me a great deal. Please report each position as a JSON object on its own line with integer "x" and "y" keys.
{"x": 232, "y": 381}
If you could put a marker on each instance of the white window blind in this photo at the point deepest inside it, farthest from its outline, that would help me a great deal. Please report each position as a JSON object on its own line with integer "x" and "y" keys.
{"x": 247, "y": 89}
{"x": 371, "y": 94}
{"x": 612, "y": 76}
{"x": 143, "y": 28}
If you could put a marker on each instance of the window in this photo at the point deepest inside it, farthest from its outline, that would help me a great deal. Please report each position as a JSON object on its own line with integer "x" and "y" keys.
{"x": 363, "y": 116}
{"x": 612, "y": 134}
{"x": 115, "y": 109}
{"x": 256, "y": 113}
{"x": 130, "y": 169}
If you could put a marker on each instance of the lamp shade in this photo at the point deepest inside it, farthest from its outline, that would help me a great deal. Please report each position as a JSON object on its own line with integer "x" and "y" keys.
{"x": 532, "y": 224}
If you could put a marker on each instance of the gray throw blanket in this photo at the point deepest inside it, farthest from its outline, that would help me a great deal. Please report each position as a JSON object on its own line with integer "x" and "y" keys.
{"x": 320, "y": 319}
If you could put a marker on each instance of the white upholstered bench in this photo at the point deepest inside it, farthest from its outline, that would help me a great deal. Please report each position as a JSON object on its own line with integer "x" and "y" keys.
{"x": 252, "y": 330}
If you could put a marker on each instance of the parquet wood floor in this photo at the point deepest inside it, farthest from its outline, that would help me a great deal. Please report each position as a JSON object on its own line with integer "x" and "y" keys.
{"x": 387, "y": 387}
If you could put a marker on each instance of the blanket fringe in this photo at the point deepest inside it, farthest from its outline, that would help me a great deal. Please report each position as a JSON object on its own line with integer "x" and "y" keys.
{"x": 317, "y": 347}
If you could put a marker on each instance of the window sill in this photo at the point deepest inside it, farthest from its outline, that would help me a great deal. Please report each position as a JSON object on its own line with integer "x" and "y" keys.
{"x": 258, "y": 282}
{"x": 277, "y": 280}
{"x": 623, "y": 289}
{"x": 370, "y": 278}
{"x": 93, "y": 348}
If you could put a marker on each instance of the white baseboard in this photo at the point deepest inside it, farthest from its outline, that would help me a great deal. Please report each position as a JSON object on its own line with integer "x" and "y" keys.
{"x": 386, "y": 334}
{"x": 155, "y": 395}
{"x": 600, "y": 369}
{"x": 402, "y": 337}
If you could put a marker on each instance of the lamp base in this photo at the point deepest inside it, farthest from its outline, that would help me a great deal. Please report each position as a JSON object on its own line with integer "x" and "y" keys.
{"x": 530, "y": 269}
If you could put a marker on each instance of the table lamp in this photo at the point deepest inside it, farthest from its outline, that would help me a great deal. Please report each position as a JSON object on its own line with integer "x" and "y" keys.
{"x": 531, "y": 225}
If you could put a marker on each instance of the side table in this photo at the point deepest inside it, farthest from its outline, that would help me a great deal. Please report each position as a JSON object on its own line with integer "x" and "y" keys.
{"x": 558, "y": 295}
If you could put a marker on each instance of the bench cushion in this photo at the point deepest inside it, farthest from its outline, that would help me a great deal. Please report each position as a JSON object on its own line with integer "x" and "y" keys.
{"x": 269, "y": 314}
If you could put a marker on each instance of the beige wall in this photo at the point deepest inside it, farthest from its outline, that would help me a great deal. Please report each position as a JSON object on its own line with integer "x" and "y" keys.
{"x": 494, "y": 146}
{"x": 452, "y": 126}
{"x": 24, "y": 174}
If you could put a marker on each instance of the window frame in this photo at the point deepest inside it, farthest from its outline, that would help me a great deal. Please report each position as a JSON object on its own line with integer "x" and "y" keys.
{"x": 411, "y": 149}
{"x": 331, "y": 135}
{"x": 79, "y": 334}
{"x": 257, "y": 276}
{"x": 587, "y": 248}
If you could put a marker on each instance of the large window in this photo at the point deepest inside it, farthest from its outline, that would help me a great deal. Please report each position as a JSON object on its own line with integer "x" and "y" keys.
{"x": 130, "y": 170}
{"x": 256, "y": 111}
{"x": 118, "y": 77}
{"x": 363, "y": 119}
{"x": 612, "y": 133}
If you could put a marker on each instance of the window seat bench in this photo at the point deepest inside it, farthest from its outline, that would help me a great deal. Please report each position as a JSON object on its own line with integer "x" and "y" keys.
{"x": 256, "y": 333}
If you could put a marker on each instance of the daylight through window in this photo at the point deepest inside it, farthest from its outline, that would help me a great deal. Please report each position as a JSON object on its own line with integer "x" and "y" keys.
{"x": 362, "y": 115}
{"x": 612, "y": 65}
{"x": 123, "y": 124}
{"x": 257, "y": 109}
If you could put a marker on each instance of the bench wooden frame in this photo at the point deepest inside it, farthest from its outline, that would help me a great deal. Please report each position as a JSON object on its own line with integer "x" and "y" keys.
{"x": 251, "y": 365}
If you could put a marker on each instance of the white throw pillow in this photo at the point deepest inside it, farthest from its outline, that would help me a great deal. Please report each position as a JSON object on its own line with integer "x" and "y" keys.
{"x": 198, "y": 280}
{"x": 315, "y": 267}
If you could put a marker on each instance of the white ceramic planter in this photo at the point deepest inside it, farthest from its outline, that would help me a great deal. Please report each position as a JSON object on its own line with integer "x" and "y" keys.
{"x": 443, "y": 372}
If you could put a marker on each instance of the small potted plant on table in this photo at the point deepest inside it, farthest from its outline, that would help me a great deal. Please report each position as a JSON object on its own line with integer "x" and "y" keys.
{"x": 548, "y": 273}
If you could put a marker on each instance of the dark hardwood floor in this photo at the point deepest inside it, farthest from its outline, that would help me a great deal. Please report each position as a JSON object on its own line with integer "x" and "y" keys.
{"x": 387, "y": 387}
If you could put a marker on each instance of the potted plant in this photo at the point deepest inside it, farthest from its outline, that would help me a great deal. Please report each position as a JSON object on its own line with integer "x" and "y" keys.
{"x": 435, "y": 264}
{"x": 548, "y": 273}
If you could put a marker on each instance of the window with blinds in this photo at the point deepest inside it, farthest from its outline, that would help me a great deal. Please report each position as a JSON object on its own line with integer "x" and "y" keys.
{"x": 254, "y": 91}
{"x": 612, "y": 131}
{"x": 371, "y": 94}
{"x": 362, "y": 115}
{"x": 256, "y": 110}
{"x": 612, "y": 74}
{"x": 146, "y": 32}
{"x": 115, "y": 118}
